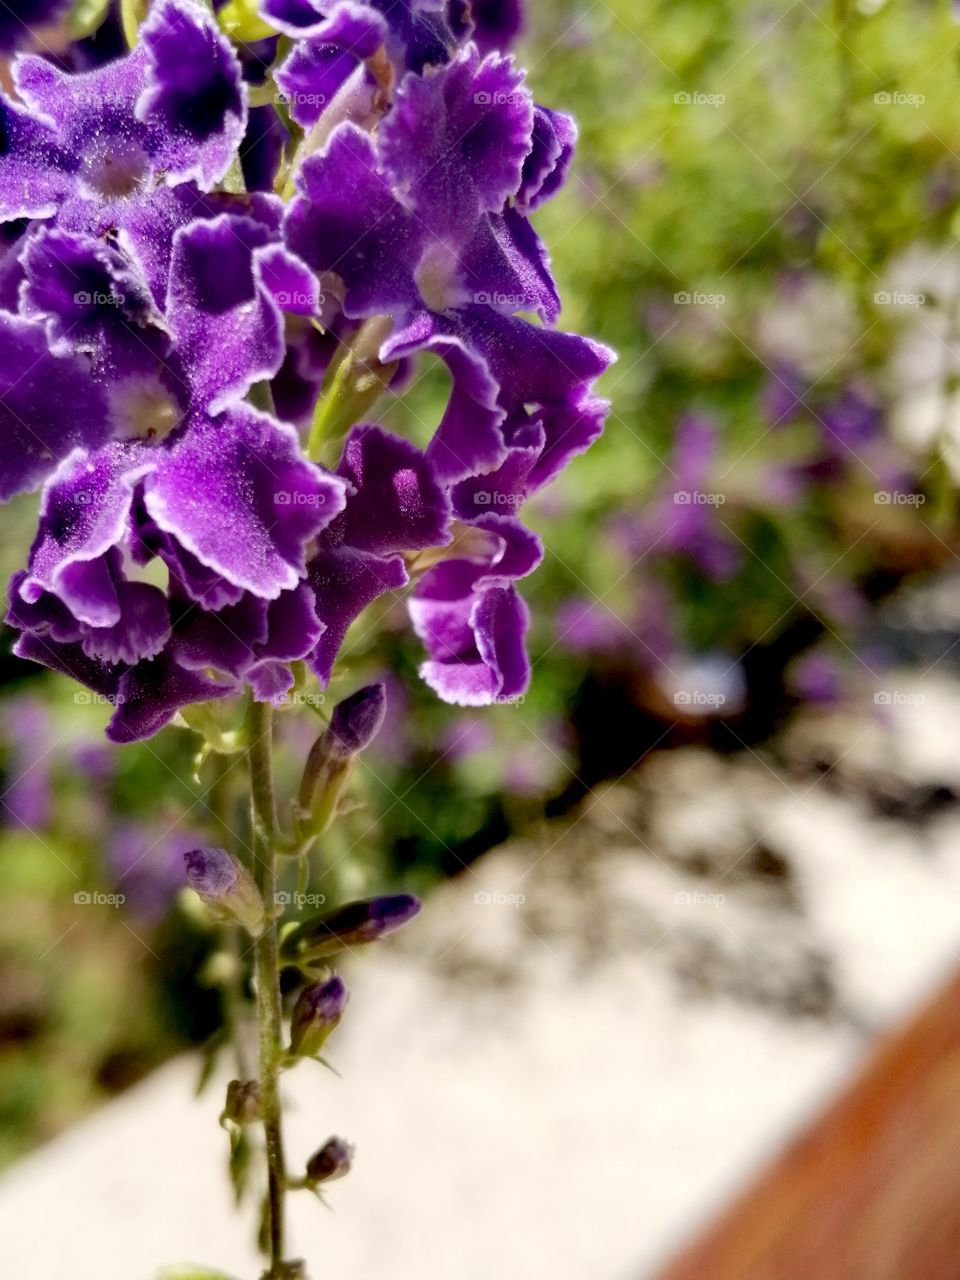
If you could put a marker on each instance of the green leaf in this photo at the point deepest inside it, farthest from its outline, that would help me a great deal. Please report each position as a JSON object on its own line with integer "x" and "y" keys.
{"x": 241, "y": 1161}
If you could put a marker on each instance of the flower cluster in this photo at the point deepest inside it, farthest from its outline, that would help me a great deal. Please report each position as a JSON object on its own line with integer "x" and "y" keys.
{"x": 197, "y": 225}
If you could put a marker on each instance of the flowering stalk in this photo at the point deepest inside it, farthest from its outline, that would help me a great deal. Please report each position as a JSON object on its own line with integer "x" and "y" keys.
{"x": 216, "y": 260}
{"x": 269, "y": 1008}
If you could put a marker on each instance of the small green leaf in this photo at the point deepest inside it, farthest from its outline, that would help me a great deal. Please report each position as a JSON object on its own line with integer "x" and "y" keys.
{"x": 241, "y": 1160}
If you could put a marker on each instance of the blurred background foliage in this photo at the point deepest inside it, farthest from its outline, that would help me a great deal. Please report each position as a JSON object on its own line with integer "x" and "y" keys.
{"x": 762, "y": 220}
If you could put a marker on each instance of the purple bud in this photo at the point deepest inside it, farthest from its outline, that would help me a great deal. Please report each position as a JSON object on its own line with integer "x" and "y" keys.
{"x": 332, "y": 1161}
{"x": 226, "y": 886}
{"x": 350, "y": 926}
{"x": 316, "y": 1015}
{"x": 356, "y": 721}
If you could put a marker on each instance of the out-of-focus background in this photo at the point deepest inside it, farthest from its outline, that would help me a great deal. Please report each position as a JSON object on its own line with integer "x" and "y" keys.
{"x": 677, "y": 893}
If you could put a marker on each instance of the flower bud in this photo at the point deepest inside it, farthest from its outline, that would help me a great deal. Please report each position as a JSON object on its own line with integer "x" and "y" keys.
{"x": 356, "y": 721}
{"x": 350, "y": 926}
{"x": 332, "y": 1161}
{"x": 353, "y": 726}
{"x": 316, "y": 1015}
{"x": 243, "y": 1102}
{"x": 226, "y": 887}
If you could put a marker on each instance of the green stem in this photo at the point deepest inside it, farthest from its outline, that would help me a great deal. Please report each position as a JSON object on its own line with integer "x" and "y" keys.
{"x": 269, "y": 1009}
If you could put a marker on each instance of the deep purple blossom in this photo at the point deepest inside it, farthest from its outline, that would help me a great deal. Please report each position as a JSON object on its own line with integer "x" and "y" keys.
{"x": 152, "y": 307}
{"x": 128, "y": 147}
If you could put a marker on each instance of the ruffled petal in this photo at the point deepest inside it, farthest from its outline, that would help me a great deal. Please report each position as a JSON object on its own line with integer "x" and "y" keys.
{"x": 346, "y": 220}
{"x": 454, "y": 144}
{"x": 92, "y": 299}
{"x": 397, "y": 503}
{"x": 545, "y": 168}
{"x": 235, "y": 492}
{"x": 345, "y": 581}
{"x": 151, "y": 693}
{"x": 228, "y": 329}
{"x": 194, "y": 96}
{"x": 49, "y": 405}
{"x": 85, "y": 512}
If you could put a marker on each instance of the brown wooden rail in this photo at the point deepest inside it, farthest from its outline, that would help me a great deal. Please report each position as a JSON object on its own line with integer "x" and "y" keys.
{"x": 871, "y": 1191}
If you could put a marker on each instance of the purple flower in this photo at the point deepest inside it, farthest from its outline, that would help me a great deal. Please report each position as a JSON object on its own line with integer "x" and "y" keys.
{"x": 154, "y": 312}
{"x": 395, "y": 504}
{"x": 108, "y": 150}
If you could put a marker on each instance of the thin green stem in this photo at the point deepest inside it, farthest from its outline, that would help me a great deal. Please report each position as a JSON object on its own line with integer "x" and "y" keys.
{"x": 269, "y": 1009}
